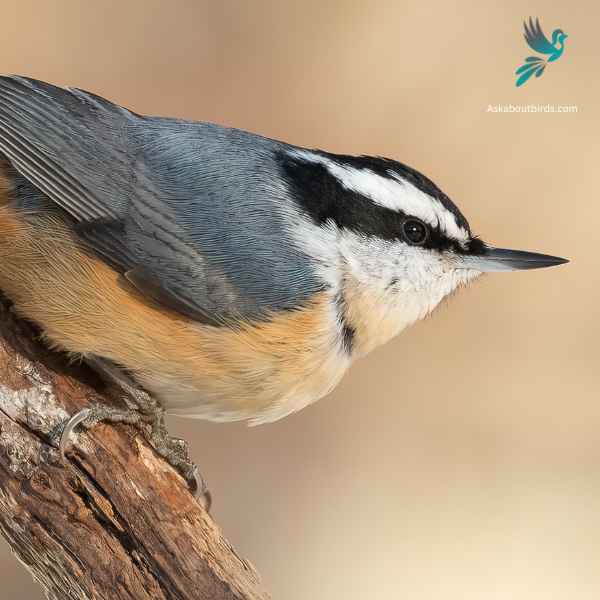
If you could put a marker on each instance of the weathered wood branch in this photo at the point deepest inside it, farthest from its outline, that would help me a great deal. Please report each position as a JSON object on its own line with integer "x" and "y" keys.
{"x": 112, "y": 521}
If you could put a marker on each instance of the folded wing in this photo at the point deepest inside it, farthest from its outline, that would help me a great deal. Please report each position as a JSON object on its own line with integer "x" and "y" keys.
{"x": 189, "y": 213}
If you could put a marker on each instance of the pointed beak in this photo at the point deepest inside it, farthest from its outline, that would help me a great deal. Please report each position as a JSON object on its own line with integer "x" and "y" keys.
{"x": 489, "y": 259}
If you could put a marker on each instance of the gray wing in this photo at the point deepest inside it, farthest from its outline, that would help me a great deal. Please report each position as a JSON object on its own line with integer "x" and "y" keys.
{"x": 535, "y": 37}
{"x": 194, "y": 215}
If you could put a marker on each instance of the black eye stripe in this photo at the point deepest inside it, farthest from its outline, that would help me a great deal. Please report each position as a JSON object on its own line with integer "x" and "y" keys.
{"x": 323, "y": 198}
{"x": 386, "y": 167}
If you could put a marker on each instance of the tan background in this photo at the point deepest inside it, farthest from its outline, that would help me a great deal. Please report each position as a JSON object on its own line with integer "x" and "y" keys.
{"x": 461, "y": 461}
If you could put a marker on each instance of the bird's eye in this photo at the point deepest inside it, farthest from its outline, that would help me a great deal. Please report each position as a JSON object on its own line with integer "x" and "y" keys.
{"x": 415, "y": 232}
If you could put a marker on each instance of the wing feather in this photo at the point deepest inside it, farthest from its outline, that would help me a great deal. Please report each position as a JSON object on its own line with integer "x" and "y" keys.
{"x": 181, "y": 209}
{"x": 49, "y": 141}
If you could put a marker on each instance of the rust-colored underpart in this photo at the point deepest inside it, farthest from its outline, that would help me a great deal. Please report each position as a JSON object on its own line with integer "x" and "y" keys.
{"x": 113, "y": 520}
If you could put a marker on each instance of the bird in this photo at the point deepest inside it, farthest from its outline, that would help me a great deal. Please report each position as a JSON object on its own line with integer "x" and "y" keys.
{"x": 537, "y": 41}
{"x": 212, "y": 272}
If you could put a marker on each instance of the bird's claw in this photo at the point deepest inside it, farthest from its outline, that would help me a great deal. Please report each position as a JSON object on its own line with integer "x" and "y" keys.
{"x": 200, "y": 489}
{"x": 69, "y": 428}
{"x": 174, "y": 451}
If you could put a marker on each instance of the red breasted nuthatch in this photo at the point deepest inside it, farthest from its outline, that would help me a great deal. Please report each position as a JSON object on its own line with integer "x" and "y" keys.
{"x": 230, "y": 275}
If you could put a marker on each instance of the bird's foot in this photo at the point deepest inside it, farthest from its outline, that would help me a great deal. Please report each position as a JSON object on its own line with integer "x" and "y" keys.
{"x": 145, "y": 413}
{"x": 175, "y": 452}
{"x": 152, "y": 426}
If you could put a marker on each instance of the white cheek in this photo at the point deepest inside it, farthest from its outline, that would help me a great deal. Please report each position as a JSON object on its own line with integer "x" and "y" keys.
{"x": 404, "y": 285}
{"x": 423, "y": 280}
{"x": 442, "y": 285}
{"x": 393, "y": 285}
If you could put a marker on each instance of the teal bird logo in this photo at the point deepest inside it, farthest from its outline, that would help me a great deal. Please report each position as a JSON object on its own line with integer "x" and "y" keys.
{"x": 538, "y": 42}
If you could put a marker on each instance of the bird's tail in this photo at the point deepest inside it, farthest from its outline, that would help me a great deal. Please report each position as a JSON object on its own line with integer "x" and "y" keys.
{"x": 532, "y": 64}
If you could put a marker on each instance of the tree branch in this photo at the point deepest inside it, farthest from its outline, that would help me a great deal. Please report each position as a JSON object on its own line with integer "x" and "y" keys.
{"x": 112, "y": 521}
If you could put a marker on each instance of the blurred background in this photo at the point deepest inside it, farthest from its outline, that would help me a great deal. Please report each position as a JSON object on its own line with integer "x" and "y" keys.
{"x": 462, "y": 460}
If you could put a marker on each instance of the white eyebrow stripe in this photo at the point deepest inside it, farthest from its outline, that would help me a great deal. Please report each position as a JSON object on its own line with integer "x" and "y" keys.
{"x": 394, "y": 193}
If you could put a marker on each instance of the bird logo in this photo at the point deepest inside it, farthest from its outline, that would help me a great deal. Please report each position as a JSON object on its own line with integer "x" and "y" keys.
{"x": 537, "y": 40}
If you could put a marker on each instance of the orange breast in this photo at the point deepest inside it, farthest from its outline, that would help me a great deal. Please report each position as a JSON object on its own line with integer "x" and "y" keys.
{"x": 260, "y": 371}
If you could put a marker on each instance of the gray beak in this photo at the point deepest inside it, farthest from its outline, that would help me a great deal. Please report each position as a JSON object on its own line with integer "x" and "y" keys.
{"x": 490, "y": 259}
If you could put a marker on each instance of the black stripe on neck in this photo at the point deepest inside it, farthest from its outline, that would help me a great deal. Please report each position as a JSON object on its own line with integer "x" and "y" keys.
{"x": 348, "y": 332}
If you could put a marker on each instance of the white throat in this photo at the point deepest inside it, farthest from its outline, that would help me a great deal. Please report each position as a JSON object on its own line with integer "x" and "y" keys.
{"x": 387, "y": 286}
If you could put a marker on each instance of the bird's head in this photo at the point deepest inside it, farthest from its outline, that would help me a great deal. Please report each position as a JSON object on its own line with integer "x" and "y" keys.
{"x": 558, "y": 37}
{"x": 398, "y": 243}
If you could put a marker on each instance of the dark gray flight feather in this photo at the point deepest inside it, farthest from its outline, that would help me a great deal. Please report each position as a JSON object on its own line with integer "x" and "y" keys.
{"x": 190, "y": 213}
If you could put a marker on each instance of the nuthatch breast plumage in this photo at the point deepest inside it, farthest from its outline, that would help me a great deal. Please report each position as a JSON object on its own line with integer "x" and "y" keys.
{"x": 229, "y": 275}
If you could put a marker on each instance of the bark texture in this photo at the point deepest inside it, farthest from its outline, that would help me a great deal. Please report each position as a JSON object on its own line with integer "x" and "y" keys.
{"x": 113, "y": 520}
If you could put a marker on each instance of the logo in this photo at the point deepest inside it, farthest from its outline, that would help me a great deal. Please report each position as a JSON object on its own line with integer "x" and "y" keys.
{"x": 537, "y": 41}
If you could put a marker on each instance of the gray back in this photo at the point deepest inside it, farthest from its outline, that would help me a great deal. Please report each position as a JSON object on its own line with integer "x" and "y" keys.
{"x": 195, "y": 215}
